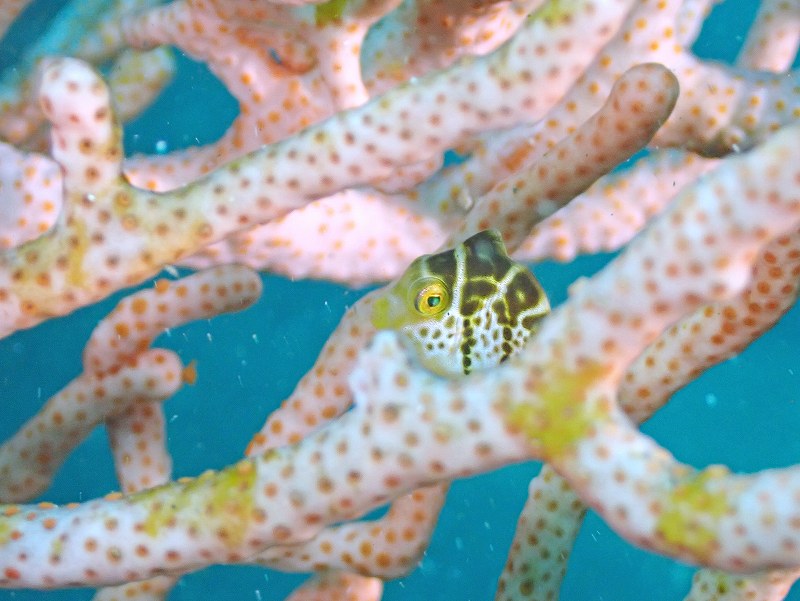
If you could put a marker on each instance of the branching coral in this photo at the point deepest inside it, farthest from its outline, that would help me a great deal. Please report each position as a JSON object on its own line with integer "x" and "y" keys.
{"x": 332, "y": 170}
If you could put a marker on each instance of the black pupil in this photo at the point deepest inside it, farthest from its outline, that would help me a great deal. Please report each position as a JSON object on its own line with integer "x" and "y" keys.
{"x": 434, "y": 301}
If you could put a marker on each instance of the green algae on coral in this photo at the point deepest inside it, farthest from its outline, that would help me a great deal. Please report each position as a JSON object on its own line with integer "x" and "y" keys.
{"x": 557, "y": 416}
{"x": 5, "y": 526}
{"x": 689, "y": 507}
{"x": 222, "y": 502}
{"x": 328, "y": 12}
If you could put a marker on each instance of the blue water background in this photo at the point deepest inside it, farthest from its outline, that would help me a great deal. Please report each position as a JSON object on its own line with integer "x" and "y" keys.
{"x": 745, "y": 413}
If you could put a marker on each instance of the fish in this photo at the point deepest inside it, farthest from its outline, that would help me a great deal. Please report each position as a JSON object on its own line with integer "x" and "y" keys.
{"x": 464, "y": 309}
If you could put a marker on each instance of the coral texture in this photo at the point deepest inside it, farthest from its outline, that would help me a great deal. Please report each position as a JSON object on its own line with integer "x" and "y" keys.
{"x": 369, "y": 133}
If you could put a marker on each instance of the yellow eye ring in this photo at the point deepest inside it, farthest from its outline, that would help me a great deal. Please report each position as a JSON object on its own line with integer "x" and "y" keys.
{"x": 432, "y": 298}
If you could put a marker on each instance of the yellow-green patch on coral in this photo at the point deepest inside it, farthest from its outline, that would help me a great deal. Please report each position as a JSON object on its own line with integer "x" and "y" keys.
{"x": 690, "y": 508}
{"x": 222, "y": 502}
{"x": 557, "y": 416}
{"x": 56, "y": 547}
{"x": 556, "y": 11}
{"x": 725, "y": 582}
{"x": 5, "y": 528}
{"x": 329, "y": 12}
{"x": 79, "y": 246}
{"x": 37, "y": 260}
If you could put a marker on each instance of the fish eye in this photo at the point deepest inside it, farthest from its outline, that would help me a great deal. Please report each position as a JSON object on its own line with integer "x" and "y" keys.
{"x": 432, "y": 298}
